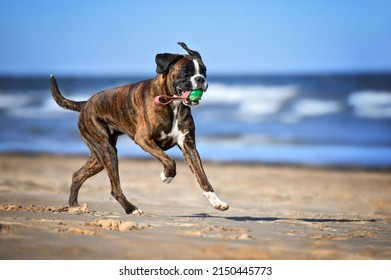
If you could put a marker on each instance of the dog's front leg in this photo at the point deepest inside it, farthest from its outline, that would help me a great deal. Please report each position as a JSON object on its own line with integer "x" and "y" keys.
{"x": 150, "y": 146}
{"x": 193, "y": 159}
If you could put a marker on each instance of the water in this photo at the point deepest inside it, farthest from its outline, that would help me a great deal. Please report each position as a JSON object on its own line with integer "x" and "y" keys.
{"x": 326, "y": 120}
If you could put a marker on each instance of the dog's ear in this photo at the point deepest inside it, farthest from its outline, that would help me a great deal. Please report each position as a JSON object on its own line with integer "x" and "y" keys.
{"x": 165, "y": 60}
{"x": 191, "y": 52}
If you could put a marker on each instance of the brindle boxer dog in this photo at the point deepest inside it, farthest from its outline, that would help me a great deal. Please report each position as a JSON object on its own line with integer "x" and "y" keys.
{"x": 131, "y": 110}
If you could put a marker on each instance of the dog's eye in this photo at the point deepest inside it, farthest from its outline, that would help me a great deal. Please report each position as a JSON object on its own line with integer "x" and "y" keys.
{"x": 185, "y": 71}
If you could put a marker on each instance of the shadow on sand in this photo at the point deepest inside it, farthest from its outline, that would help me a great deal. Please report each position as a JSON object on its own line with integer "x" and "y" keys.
{"x": 273, "y": 219}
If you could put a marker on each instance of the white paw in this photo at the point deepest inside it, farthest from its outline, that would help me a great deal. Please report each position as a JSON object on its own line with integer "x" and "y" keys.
{"x": 138, "y": 212}
{"x": 215, "y": 201}
{"x": 165, "y": 179}
{"x": 222, "y": 207}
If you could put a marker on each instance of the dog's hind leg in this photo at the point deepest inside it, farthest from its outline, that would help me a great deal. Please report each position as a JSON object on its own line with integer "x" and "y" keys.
{"x": 104, "y": 149}
{"x": 91, "y": 167}
{"x": 110, "y": 162}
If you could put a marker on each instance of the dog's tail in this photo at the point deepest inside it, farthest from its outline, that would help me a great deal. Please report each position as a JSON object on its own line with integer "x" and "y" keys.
{"x": 61, "y": 100}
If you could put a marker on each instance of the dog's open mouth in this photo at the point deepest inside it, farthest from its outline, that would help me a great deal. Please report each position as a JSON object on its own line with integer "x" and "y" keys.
{"x": 184, "y": 96}
{"x": 186, "y": 101}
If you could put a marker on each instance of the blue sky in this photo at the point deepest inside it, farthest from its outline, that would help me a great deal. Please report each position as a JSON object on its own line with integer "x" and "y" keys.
{"x": 234, "y": 36}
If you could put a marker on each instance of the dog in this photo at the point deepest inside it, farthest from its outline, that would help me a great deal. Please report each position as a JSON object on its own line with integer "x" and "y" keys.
{"x": 156, "y": 127}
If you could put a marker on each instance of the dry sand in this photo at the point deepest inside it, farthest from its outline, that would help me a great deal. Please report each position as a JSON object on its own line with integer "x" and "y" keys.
{"x": 277, "y": 212}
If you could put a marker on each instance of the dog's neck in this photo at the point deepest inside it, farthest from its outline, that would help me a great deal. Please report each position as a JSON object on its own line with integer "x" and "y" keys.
{"x": 164, "y": 85}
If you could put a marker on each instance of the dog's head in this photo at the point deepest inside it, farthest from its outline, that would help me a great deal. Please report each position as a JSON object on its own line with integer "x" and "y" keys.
{"x": 183, "y": 72}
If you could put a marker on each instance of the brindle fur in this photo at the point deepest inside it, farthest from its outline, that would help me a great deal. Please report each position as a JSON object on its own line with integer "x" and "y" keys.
{"x": 131, "y": 110}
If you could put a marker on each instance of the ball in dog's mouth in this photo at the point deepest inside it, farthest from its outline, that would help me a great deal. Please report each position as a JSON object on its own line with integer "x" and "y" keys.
{"x": 194, "y": 97}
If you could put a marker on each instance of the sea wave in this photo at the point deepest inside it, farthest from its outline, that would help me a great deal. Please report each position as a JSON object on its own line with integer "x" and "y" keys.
{"x": 257, "y": 103}
{"x": 22, "y": 106}
{"x": 247, "y": 103}
{"x": 371, "y": 104}
{"x": 251, "y": 103}
{"x": 222, "y": 93}
{"x": 313, "y": 107}
{"x": 14, "y": 100}
{"x": 306, "y": 120}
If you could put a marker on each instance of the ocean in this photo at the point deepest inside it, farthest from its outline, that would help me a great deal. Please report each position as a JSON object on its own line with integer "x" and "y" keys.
{"x": 319, "y": 120}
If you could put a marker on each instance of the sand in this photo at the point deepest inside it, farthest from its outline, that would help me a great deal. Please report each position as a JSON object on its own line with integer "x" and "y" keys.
{"x": 277, "y": 212}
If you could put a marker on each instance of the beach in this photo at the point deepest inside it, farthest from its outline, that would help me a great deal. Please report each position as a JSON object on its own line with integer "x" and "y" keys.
{"x": 276, "y": 212}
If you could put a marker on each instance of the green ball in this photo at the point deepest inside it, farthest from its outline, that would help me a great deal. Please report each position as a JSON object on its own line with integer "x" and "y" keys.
{"x": 196, "y": 95}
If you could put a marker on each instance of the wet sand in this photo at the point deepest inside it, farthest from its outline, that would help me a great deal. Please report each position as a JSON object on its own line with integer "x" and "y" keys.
{"x": 277, "y": 212}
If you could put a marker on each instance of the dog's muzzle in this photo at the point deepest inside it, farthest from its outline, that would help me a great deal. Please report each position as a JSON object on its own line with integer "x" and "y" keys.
{"x": 199, "y": 83}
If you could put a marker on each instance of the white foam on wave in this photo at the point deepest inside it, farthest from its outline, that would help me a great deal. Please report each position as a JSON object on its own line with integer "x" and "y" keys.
{"x": 221, "y": 93}
{"x": 48, "y": 109}
{"x": 371, "y": 104}
{"x": 253, "y": 102}
{"x": 311, "y": 108}
{"x": 315, "y": 107}
{"x": 14, "y": 100}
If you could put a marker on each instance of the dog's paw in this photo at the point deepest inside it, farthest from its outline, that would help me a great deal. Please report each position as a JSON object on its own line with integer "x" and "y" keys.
{"x": 221, "y": 207}
{"x": 215, "y": 201}
{"x": 138, "y": 212}
{"x": 165, "y": 179}
{"x": 74, "y": 204}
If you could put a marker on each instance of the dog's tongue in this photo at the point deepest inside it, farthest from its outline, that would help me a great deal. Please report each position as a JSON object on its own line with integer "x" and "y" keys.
{"x": 185, "y": 94}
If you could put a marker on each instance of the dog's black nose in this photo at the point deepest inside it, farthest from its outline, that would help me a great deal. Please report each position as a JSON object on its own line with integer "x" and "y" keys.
{"x": 200, "y": 79}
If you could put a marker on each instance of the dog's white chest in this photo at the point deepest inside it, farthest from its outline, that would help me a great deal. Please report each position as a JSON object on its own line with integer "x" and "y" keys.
{"x": 177, "y": 136}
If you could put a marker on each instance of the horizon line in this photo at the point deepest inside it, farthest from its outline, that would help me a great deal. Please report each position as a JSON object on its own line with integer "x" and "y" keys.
{"x": 214, "y": 74}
